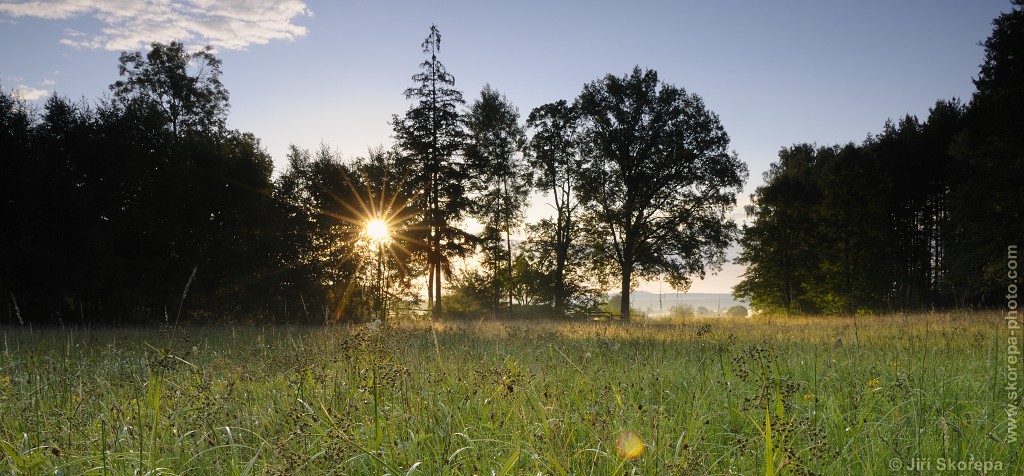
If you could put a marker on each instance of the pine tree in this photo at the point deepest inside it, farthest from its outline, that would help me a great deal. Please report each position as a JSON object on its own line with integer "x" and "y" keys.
{"x": 430, "y": 137}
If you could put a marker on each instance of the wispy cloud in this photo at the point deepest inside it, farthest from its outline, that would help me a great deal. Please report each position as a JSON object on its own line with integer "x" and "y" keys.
{"x": 29, "y": 93}
{"x": 131, "y": 24}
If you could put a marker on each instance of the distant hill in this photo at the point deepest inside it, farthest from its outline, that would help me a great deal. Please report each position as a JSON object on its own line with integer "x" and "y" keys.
{"x": 655, "y": 304}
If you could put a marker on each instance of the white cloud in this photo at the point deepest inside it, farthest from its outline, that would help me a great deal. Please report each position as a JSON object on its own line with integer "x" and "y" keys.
{"x": 131, "y": 24}
{"x": 29, "y": 93}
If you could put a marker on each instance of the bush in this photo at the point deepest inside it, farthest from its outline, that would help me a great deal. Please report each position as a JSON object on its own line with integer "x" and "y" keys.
{"x": 736, "y": 311}
{"x": 681, "y": 311}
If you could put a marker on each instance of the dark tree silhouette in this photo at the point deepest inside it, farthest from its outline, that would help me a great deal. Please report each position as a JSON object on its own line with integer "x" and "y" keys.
{"x": 986, "y": 202}
{"x": 780, "y": 249}
{"x": 430, "y": 137}
{"x": 185, "y": 86}
{"x": 659, "y": 180}
{"x": 500, "y": 179}
{"x": 919, "y": 216}
{"x": 554, "y": 156}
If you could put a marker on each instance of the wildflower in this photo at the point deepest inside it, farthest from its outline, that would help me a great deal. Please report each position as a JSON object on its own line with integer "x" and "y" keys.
{"x": 874, "y": 384}
{"x": 809, "y": 397}
{"x": 629, "y": 445}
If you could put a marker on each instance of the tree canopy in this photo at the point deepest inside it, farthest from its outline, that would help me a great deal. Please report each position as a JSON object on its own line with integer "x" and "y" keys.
{"x": 920, "y": 216}
{"x": 116, "y": 210}
{"x": 658, "y": 181}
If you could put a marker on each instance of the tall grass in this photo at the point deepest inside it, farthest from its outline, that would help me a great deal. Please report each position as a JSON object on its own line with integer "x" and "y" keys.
{"x": 712, "y": 396}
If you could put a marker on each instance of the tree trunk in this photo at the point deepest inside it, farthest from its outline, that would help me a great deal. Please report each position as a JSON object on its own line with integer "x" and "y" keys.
{"x": 627, "y": 276}
{"x": 562, "y": 236}
{"x": 430, "y": 284}
{"x": 508, "y": 243}
{"x": 437, "y": 288}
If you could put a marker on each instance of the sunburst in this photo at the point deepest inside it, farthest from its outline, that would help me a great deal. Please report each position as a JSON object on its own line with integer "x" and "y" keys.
{"x": 379, "y": 213}
{"x": 378, "y": 231}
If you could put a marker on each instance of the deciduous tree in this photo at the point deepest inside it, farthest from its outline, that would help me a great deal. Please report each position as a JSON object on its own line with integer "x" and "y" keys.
{"x": 500, "y": 178}
{"x": 659, "y": 179}
{"x": 184, "y": 85}
{"x": 557, "y": 164}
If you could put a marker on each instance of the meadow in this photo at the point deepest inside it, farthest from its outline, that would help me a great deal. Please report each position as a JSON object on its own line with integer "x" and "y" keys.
{"x": 918, "y": 394}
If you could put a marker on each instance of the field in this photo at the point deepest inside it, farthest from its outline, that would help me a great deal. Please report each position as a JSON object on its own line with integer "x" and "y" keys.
{"x": 868, "y": 395}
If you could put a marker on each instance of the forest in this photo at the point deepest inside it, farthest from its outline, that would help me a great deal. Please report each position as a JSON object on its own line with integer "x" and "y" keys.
{"x": 924, "y": 215}
{"x": 143, "y": 206}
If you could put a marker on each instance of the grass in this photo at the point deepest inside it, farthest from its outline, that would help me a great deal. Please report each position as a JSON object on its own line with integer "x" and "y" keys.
{"x": 713, "y": 396}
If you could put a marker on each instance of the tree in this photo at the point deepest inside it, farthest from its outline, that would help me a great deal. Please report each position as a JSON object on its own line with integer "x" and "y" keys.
{"x": 554, "y": 157}
{"x": 329, "y": 203}
{"x": 915, "y": 157}
{"x": 430, "y": 136}
{"x": 854, "y": 274}
{"x": 21, "y": 207}
{"x": 681, "y": 311}
{"x": 501, "y": 180}
{"x": 918, "y": 216}
{"x": 659, "y": 180}
{"x": 185, "y": 86}
{"x": 986, "y": 203}
{"x": 820, "y": 235}
{"x": 781, "y": 246}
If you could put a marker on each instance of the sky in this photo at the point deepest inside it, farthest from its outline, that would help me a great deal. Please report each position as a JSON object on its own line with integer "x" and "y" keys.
{"x": 332, "y": 72}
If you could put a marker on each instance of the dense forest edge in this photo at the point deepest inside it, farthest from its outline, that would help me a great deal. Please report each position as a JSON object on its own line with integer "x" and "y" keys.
{"x": 143, "y": 206}
{"x": 924, "y": 215}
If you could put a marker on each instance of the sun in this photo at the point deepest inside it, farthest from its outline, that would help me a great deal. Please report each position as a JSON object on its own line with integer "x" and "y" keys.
{"x": 377, "y": 230}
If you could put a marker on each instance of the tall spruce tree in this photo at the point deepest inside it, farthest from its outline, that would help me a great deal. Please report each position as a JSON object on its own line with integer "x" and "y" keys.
{"x": 430, "y": 137}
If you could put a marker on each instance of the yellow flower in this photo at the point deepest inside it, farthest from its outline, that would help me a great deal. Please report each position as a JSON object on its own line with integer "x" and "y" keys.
{"x": 874, "y": 384}
{"x": 630, "y": 445}
{"x": 809, "y": 397}
{"x": 5, "y": 380}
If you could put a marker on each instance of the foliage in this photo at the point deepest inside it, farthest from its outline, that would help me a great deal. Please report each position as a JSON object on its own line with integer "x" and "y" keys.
{"x": 553, "y": 153}
{"x": 429, "y": 137}
{"x": 736, "y": 311}
{"x": 109, "y": 207}
{"x": 681, "y": 311}
{"x": 986, "y": 207}
{"x": 184, "y": 86}
{"x": 142, "y": 190}
{"x": 916, "y": 217}
{"x": 501, "y": 181}
{"x": 658, "y": 181}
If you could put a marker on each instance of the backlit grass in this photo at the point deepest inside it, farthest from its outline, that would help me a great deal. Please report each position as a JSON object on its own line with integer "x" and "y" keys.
{"x": 704, "y": 396}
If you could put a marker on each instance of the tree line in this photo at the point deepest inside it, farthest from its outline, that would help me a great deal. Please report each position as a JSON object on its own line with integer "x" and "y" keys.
{"x": 917, "y": 217}
{"x": 143, "y": 205}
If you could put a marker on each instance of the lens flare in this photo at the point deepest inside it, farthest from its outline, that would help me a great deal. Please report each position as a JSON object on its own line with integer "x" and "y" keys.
{"x": 629, "y": 445}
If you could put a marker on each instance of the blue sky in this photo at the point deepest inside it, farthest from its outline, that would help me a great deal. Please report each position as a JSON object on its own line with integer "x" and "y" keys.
{"x": 333, "y": 72}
